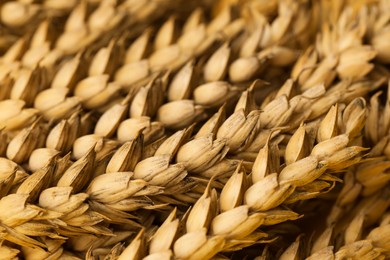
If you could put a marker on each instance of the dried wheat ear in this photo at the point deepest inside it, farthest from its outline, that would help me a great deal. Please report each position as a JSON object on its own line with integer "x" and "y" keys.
{"x": 229, "y": 129}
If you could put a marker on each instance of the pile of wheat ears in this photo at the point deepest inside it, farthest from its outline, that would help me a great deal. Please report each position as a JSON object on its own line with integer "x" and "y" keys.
{"x": 184, "y": 129}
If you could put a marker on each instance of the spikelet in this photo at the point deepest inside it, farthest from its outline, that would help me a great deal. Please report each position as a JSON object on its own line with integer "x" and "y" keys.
{"x": 95, "y": 91}
{"x": 202, "y": 153}
{"x": 190, "y": 112}
{"x": 147, "y": 100}
{"x": 62, "y": 135}
{"x": 54, "y": 105}
{"x": 15, "y": 116}
{"x": 239, "y": 129}
{"x": 126, "y": 156}
{"x": 129, "y": 129}
{"x": 25, "y": 13}
{"x": 214, "y": 93}
{"x": 102, "y": 147}
{"x": 68, "y": 74}
{"x": 182, "y": 84}
{"x": 22, "y": 145}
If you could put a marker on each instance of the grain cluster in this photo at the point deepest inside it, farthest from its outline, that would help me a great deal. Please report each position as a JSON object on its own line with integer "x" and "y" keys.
{"x": 183, "y": 129}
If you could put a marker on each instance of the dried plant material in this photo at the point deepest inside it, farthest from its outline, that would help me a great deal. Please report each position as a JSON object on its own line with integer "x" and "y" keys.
{"x": 79, "y": 173}
{"x": 232, "y": 193}
{"x": 62, "y": 135}
{"x": 192, "y": 39}
{"x": 161, "y": 255}
{"x": 272, "y": 195}
{"x": 239, "y": 130}
{"x": 328, "y": 126}
{"x": 196, "y": 245}
{"x": 76, "y": 35}
{"x": 147, "y": 100}
{"x": 302, "y": 172}
{"x": 9, "y": 252}
{"x": 251, "y": 43}
{"x": 202, "y": 153}
{"x": 108, "y": 123}
{"x": 247, "y": 101}
{"x": 48, "y": 64}
{"x": 330, "y": 146}
{"x": 298, "y": 147}
{"x": 118, "y": 192}
{"x": 15, "y": 51}
{"x": 127, "y": 156}
{"x": 203, "y": 212}
{"x": 261, "y": 165}
{"x": 225, "y": 167}
{"x": 129, "y": 129}
{"x": 164, "y": 174}
{"x": 171, "y": 145}
{"x": 136, "y": 248}
{"x": 23, "y": 13}
{"x": 55, "y": 105}
{"x": 179, "y": 150}
{"x": 326, "y": 253}
{"x": 379, "y": 43}
{"x": 49, "y": 98}
{"x": 373, "y": 174}
{"x": 182, "y": 84}
{"x": 357, "y": 249}
{"x": 324, "y": 73}
{"x": 323, "y": 241}
{"x": 6, "y": 87}
{"x": 132, "y": 73}
{"x": 106, "y": 60}
{"x": 305, "y": 65}
{"x": 27, "y": 85}
{"x": 212, "y": 125}
{"x": 292, "y": 252}
{"x": 353, "y": 232}
{"x": 40, "y": 157}
{"x": 36, "y": 182}
{"x": 244, "y": 69}
{"x": 138, "y": 48}
{"x": 379, "y": 236}
{"x": 166, "y": 34}
{"x": 54, "y": 246}
{"x": 216, "y": 67}
{"x": 278, "y": 56}
{"x": 76, "y": 20}
{"x": 21, "y": 146}
{"x": 104, "y": 17}
{"x": 95, "y": 91}
{"x": 164, "y": 237}
{"x": 162, "y": 58}
{"x": 14, "y": 116}
{"x": 167, "y": 113}
{"x": 278, "y": 106}
{"x": 10, "y": 171}
{"x": 353, "y": 62}
{"x": 220, "y": 21}
{"x": 32, "y": 56}
{"x": 84, "y": 144}
{"x": 214, "y": 94}
{"x": 193, "y": 20}
{"x": 70, "y": 209}
{"x": 241, "y": 224}
{"x": 68, "y": 74}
